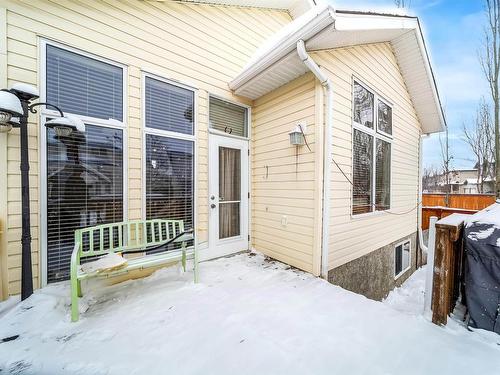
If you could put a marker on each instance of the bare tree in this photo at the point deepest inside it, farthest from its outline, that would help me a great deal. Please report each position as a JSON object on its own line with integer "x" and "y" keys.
{"x": 402, "y": 3}
{"x": 479, "y": 136}
{"x": 446, "y": 161}
{"x": 490, "y": 63}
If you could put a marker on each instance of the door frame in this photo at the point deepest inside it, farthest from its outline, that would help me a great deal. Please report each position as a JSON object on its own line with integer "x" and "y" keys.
{"x": 216, "y": 247}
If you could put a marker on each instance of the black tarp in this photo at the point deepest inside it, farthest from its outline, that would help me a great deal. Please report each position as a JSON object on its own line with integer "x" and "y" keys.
{"x": 482, "y": 276}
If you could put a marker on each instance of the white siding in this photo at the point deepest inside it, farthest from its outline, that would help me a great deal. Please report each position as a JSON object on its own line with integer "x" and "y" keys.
{"x": 375, "y": 65}
{"x": 201, "y": 45}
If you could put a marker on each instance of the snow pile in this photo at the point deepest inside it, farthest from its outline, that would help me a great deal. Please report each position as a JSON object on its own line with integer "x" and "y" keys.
{"x": 248, "y": 316}
{"x": 490, "y": 215}
{"x": 409, "y": 298}
{"x": 109, "y": 262}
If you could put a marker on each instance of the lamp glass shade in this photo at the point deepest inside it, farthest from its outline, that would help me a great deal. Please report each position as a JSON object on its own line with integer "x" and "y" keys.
{"x": 64, "y": 126}
{"x": 296, "y": 138}
{"x": 5, "y": 117}
{"x": 5, "y": 127}
{"x": 10, "y": 103}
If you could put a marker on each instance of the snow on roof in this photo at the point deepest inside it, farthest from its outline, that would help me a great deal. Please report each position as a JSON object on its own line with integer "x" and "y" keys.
{"x": 277, "y": 63}
{"x": 490, "y": 215}
{"x": 295, "y": 7}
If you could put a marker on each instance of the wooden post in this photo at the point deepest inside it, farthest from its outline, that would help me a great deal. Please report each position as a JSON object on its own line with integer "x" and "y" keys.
{"x": 446, "y": 267}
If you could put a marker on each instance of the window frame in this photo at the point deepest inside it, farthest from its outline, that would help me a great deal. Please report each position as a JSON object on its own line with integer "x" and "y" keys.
{"x": 218, "y": 132}
{"x": 45, "y": 113}
{"x": 375, "y": 134}
{"x": 403, "y": 270}
{"x": 169, "y": 134}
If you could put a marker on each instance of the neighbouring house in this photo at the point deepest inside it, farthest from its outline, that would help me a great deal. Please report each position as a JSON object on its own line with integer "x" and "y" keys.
{"x": 280, "y": 125}
{"x": 459, "y": 181}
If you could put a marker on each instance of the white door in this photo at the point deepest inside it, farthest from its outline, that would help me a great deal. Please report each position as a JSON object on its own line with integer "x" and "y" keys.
{"x": 228, "y": 195}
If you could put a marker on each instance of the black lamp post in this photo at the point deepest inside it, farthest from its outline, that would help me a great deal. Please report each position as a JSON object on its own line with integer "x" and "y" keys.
{"x": 15, "y": 105}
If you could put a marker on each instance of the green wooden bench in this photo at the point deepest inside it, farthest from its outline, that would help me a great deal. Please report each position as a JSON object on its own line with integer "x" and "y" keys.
{"x": 131, "y": 237}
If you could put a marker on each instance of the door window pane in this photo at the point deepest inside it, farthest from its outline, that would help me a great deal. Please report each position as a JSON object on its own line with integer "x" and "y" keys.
{"x": 228, "y": 117}
{"x": 229, "y": 174}
{"x": 169, "y": 179}
{"x": 384, "y": 117}
{"x": 362, "y": 172}
{"x": 383, "y": 176}
{"x": 84, "y": 188}
{"x": 169, "y": 107}
{"x": 81, "y": 85}
{"x": 229, "y": 219}
{"x": 363, "y": 106}
{"x": 229, "y": 192}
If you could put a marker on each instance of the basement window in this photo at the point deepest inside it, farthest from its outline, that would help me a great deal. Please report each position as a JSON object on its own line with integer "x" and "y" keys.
{"x": 401, "y": 258}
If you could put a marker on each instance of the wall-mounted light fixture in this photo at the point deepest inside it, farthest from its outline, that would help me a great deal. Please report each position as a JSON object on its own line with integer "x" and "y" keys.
{"x": 297, "y": 135}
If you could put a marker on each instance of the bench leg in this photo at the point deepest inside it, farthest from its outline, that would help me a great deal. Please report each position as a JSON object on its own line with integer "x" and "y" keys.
{"x": 79, "y": 288}
{"x": 74, "y": 300}
{"x": 184, "y": 256}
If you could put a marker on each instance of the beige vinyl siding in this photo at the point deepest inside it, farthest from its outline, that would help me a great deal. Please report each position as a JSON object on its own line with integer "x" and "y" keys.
{"x": 375, "y": 65}
{"x": 286, "y": 191}
{"x": 199, "y": 45}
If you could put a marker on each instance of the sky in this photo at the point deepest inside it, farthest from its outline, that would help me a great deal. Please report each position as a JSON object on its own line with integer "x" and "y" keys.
{"x": 453, "y": 31}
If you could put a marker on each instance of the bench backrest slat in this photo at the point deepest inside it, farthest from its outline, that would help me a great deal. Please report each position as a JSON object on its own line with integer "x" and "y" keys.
{"x": 127, "y": 235}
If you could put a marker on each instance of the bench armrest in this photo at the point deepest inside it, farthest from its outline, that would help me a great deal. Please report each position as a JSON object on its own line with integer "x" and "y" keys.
{"x": 75, "y": 260}
{"x": 185, "y": 237}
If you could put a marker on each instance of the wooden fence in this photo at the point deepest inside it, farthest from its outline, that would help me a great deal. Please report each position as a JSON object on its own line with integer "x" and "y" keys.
{"x": 443, "y": 205}
{"x": 465, "y": 201}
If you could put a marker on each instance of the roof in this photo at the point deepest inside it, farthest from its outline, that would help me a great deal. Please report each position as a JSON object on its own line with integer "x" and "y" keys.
{"x": 295, "y": 7}
{"x": 277, "y": 63}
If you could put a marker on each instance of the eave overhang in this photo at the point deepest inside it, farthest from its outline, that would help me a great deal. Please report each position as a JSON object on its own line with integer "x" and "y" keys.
{"x": 277, "y": 63}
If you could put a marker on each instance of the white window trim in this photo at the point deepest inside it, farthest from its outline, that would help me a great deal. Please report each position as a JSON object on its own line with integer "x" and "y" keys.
{"x": 170, "y": 134}
{"x": 219, "y": 132}
{"x": 376, "y": 134}
{"x": 404, "y": 270}
{"x": 49, "y": 112}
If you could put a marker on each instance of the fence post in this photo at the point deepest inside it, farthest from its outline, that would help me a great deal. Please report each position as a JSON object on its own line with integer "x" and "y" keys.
{"x": 431, "y": 245}
{"x": 446, "y": 272}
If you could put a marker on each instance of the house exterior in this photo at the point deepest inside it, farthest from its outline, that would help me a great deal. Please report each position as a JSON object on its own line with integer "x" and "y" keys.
{"x": 188, "y": 107}
{"x": 460, "y": 181}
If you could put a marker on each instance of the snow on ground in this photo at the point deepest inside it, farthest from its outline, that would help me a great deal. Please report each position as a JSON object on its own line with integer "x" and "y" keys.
{"x": 247, "y": 316}
{"x": 409, "y": 298}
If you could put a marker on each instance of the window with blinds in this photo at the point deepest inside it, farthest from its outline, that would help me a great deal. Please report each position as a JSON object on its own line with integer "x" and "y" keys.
{"x": 84, "y": 86}
{"x": 169, "y": 155}
{"x": 383, "y": 175}
{"x": 169, "y": 107}
{"x": 84, "y": 188}
{"x": 362, "y": 172}
{"x": 371, "y": 189}
{"x": 169, "y": 179}
{"x": 228, "y": 117}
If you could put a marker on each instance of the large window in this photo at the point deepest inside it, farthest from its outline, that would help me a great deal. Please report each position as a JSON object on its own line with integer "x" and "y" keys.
{"x": 169, "y": 127}
{"x": 372, "y": 132}
{"x": 81, "y": 85}
{"x": 84, "y": 172}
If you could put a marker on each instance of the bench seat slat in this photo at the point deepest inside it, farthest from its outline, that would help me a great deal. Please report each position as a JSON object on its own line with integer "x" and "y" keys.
{"x": 138, "y": 263}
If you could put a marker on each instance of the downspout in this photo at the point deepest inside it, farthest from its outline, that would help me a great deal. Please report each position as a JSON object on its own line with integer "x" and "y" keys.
{"x": 326, "y": 83}
{"x": 421, "y": 186}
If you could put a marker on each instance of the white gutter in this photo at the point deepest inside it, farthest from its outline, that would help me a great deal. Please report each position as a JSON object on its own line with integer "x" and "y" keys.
{"x": 284, "y": 42}
{"x": 420, "y": 184}
{"x": 327, "y": 84}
